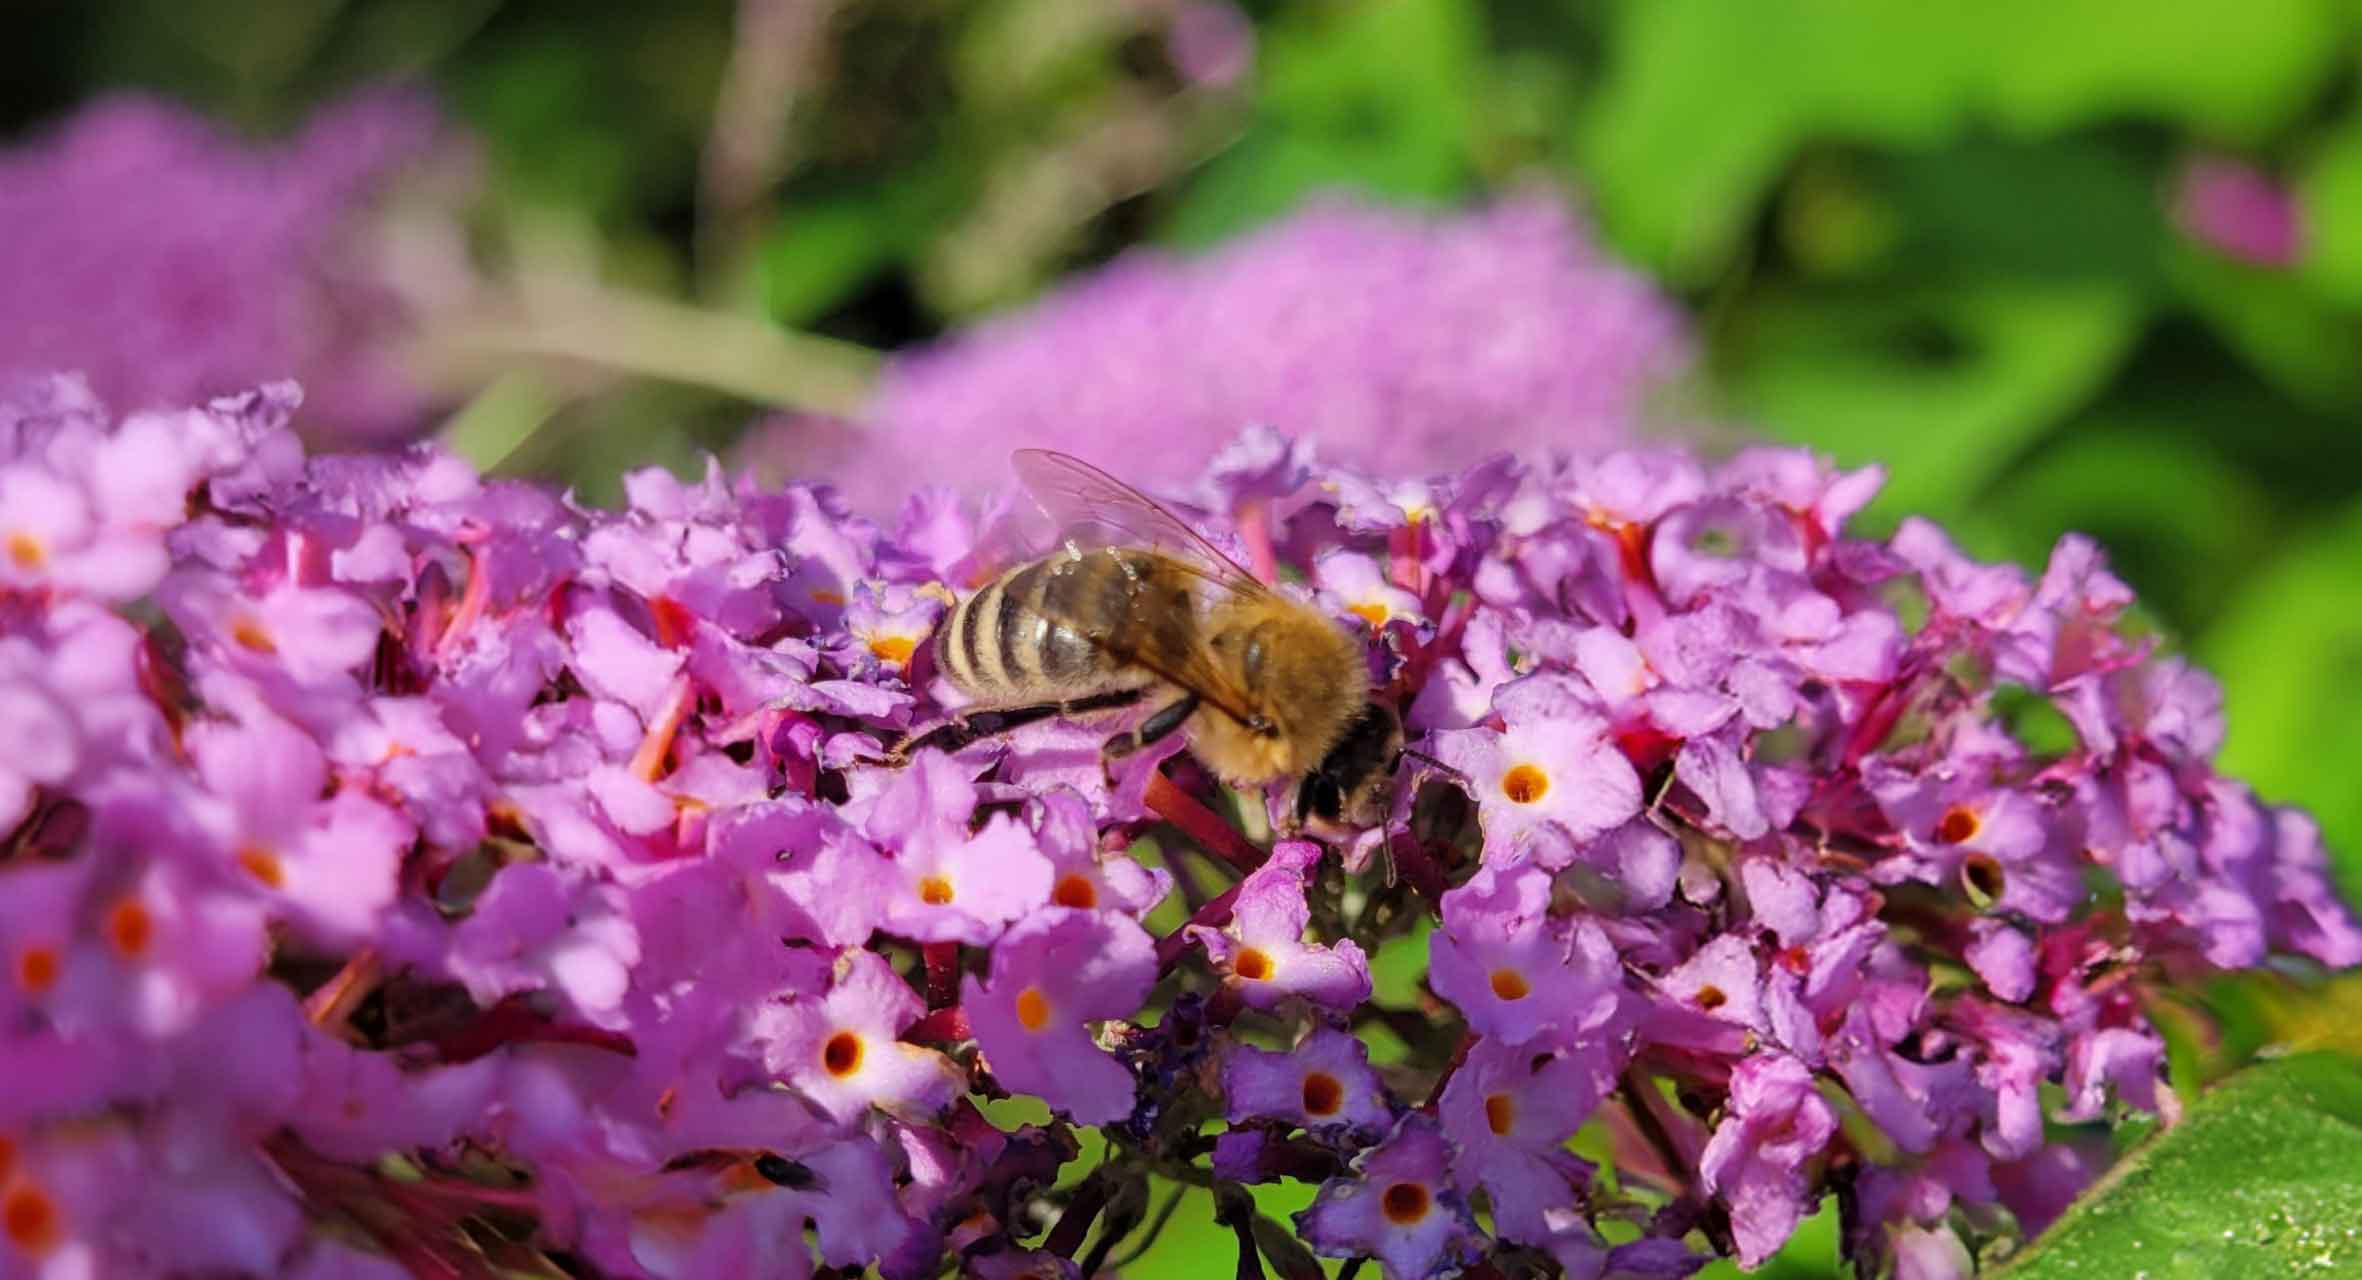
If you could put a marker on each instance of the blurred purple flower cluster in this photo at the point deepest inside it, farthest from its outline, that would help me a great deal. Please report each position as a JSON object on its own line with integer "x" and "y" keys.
{"x": 405, "y": 873}
{"x": 2239, "y": 210}
{"x": 171, "y": 263}
{"x": 1390, "y": 339}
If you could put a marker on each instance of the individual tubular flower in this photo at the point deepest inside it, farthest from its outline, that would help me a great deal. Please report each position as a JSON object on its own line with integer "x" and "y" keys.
{"x": 1514, "y": 971}
{"x": 951, "y": 885}
{"x": 1509, "y": 1112}
{"x": 1263, "y": 951}
{"x": 329, "y": 864}
{"x": 1088, "y": 876}
{"x": 1398, "y": 1206}
{"x": 1755, "y": 1163}
{"x": 1322, "y": 1083}
{"x": 1550, "y": 780}
{"x": 1053, "y": 972}
{"x": 841, "y": 1050}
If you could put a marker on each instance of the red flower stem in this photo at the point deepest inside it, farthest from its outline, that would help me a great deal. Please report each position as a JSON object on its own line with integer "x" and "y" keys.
{"x": 328, "y": 1007}
{"x": 943, "y": 973}
{"x": 1640, "y": 1098}
{"x": 1199, "y": 823}
{"x": 382, "y": 1208}
{"x": 943, "y": 1026}
{"x": 512, "y": 1022}
{"x": 1081, "y": 1211}
{"x": 1213, "y": 915}
{"x": 1450, "y": 1069}
{"x": 469, "y": 1196}
{"x": 1403, "y": 547}
{"x": 1414, "y": 864}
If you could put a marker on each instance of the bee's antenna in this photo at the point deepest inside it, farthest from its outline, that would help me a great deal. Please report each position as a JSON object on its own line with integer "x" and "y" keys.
{"x": 1433, "y": 763}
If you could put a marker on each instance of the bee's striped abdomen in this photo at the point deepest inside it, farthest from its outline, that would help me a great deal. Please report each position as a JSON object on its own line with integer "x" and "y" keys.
{"x": 1023, "y": 634}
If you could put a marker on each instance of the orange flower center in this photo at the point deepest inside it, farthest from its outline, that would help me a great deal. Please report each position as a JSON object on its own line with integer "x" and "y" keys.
{"x": 1253, "y": 964}
{"x": 935, "y": 891}
{"x": 1075, "y": 890}
{"x": 841, "y": 1056}
{"x": 30, "y": 1220}
{"x": 895, "y": 649}
{"x": 1324, "y": 1094}
{"x": 1500, "y": 1113}
{"x": 263, "y": 865}
{"x": 1405, "y": 1203}
{"x": 1710, "y": 997}
{"x": 1959, "y": 824}
{"x": 37, "y": 970}
{"x": 1509, "y": 984}
{"x": 251, "y": 635}
{"x": 1525, "y": 784}
{"x": 26, "y": 550}
{"x": 129, "y": 928}
{"x": 1033, "y": 1009}
{"x": 1373, "y": 613}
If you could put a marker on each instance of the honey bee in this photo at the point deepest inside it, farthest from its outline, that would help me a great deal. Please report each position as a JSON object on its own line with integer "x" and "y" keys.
{"x": 1137, "y": 608}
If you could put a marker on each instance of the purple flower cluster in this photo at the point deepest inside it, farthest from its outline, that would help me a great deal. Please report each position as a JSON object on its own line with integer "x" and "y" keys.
{"x": 1390, "y": 339}
{"x": 405, "y": 873}
{"x": 2239, "y": 210}
{"x": 171, "y": 263}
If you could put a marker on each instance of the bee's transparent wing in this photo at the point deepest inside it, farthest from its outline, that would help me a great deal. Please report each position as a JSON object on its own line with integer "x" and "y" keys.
{"x": 1092, "y": 511}
{"x": 1091, "y": 508}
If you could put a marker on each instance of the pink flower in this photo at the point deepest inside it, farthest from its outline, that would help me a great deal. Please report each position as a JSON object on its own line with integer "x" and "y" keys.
{"x": 1755, "y": 1161}
{"x": 1056, "y": 971}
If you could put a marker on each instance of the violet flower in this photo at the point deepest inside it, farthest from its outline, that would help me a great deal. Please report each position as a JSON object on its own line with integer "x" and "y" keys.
{"x": 383, "y": 844}
{"x": 170, "y": 262}
{"x": 1382, "y": 336}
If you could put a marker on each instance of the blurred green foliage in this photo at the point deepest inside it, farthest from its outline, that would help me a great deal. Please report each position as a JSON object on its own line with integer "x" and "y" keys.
{"x": 1936, "y": 236}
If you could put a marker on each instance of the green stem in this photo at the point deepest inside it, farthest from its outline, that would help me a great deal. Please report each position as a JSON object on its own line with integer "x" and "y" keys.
{"x": 648, "y": 336}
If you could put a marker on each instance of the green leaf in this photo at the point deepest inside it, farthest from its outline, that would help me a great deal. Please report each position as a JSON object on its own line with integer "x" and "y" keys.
{"x": 2285, "y": 330}
{"x": 2330, "y": 193}
{"x": 2289, "y": 653}
{"x": 2180, "y": 522}
{"x": 502, "y": 417}
{"x": 1707, "y": 101}
{"x": 1944, "y": 386}
{"x": 2262, "y": 1179}
{"x": 824, "y": 247}
{"x": 2236, "y": 72}
{"x": 1375, "y": 97}
{"x": 1810, "y": 1254}
{"x": 2077, "y": 208}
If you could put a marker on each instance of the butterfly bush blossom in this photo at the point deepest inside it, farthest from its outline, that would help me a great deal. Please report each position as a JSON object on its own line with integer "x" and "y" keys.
{"x": 407, "y": 873}
{"x": 1389, "y": 337}
{"x": 171, "y": 262}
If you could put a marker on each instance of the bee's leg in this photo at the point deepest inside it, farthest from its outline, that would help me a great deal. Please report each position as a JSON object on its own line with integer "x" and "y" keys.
{"x": 1167, "y": 719}
{"x": 958, "y": 732}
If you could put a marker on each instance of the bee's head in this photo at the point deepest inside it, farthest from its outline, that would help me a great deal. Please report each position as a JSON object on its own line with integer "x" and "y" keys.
{"x": 1352, "y": 788}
